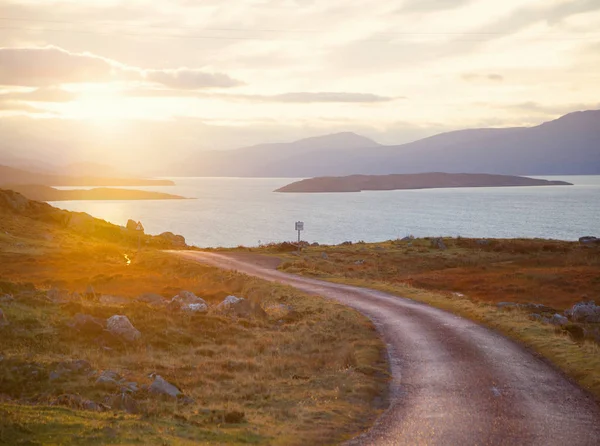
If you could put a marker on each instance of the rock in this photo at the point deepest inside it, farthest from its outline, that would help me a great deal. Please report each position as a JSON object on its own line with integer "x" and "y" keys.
{"x": 173, "y": 239}
{"x": 324, "y": 256}
{"x": 240, "y": 307}
{"x": 535, "y": 317}
{"x": 587, "y": 312}
{"x": 406, "y": 239}
{"x": 438, "y": 243}
{"x": 589, "y": 240}
{"x": 359, "y": 262}
{"x": 131, "y": 225}
{"x": 108, "y": 379}
{"x": 119, "y": 325}
{"x": 347, "y": 243}
{"x": 314, "y": 244}
{"x": 483, "y": 242}
{"x": 162, "y": 387}
{"x": 124, "y": 402}
{"x": 507, "y": 305}
{"x": 558, "y": 319}
{"x": 88, "y": 324}
{"x": 154, "y": 300}
{"x": 108, "y": 299}
{"x": 189, "y": 302}
{"x": 3, "y": 320}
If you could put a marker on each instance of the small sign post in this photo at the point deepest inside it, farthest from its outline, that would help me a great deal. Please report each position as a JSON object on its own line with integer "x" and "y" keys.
{"x": 299, "y": 228}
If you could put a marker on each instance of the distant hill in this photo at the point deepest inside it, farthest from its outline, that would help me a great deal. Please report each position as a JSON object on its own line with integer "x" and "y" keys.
{"x": 433, "y": 180}
{"x": 569, "y": 145}
{"x": 13, "y": 176}
{"x": 47, "y": 193}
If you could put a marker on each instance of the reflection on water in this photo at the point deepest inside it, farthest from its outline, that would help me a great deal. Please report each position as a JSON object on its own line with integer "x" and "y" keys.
{"x": 234, "y": 211}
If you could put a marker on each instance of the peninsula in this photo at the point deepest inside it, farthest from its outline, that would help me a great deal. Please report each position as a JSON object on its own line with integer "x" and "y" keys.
{"x": 46, "y": 193}
{"x": 432, "y": 180}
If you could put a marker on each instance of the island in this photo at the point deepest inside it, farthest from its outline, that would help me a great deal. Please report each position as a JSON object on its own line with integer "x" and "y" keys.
{"x": 432, "y": 180}
{"x": 46, "y": 193}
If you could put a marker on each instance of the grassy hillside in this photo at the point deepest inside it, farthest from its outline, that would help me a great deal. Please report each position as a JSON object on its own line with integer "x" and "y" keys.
{"x": 315, "y": 374}
{"x": 471, "y": 277}
{"x": 47, "y": 193}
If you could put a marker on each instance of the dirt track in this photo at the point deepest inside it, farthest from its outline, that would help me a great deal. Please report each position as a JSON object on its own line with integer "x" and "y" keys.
{"x": 454, "y": 381}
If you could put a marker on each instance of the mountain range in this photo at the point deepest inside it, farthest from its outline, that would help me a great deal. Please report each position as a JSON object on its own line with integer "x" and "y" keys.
{"x": 569, "y": 145}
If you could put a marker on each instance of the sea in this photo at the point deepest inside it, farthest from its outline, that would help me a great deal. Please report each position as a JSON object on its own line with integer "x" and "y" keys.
{"x": 230, "y": 212}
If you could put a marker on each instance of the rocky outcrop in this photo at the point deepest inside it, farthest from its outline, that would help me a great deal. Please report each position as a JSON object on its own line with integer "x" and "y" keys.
{"x": 587, "y": 312}
{"x": 189, "y": 302}
{"x": 122, "y": 327}
{"x": 173, "y": 239}
{"x": 240, "y": 307}
{"x": 154, "y": 300}
{"x": 161, "y": 387}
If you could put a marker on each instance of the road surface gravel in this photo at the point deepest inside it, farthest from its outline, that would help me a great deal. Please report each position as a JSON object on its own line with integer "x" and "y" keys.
{"x": 454, "y": 382}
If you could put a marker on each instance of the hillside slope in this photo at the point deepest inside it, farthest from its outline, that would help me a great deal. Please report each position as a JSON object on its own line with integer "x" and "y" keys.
{"x": 569, "y": 145}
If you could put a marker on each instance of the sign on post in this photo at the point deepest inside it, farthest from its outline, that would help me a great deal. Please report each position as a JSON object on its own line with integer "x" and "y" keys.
{"x": 299, "y": 227}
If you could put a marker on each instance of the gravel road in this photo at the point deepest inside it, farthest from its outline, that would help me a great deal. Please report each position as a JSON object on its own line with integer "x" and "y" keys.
{"x": 454, "y": 381}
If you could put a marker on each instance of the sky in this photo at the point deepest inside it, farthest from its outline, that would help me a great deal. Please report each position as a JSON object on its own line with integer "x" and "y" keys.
{"x": 145, "y": 81}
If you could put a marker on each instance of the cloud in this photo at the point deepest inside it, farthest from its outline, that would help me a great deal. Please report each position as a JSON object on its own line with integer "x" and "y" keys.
{"x": 475, "y": 77}
{"x": 431, "y": 5}
{"x": 51, "y": 66}
{"x": 16, "y": 106}
{"x": 292, "y": 97}
{"x": 190, "y": 79}
{"x": 45, "y": 94}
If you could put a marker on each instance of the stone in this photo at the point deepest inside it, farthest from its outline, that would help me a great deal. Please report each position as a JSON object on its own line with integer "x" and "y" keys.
{"x": 589, "y": 240}
{"x": 359, "y": 262}
{"x": 109, "y": 379}
{"x": 173, "y": 239}
{"x": 6, "y": 298}
{"x": 3, "y": 319}
{"x": 121, "y": 326}
{"x": 483, "y": 242}
{"x": 162, "y": 387}
{"x": 559, "y": 319}
{"x": 535, "y": 317}
{"x": 88, "y": 324}
{"x": 587, "y": 312}
{"x": 240, "y": 307}
{"x": 324, "y": 256}
{"x": 438, "y": 242}
{"x": 189, "y": 302}
{"x": 507, "y": 305}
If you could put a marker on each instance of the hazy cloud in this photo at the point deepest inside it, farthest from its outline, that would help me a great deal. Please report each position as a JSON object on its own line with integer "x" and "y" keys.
{"x": 189, "y": 79}
{"x": 474, "y": 77}
{"x": 292, "y": 97}
{"x": 431, "y": 5}
{"x": 47, "y": 94}
{"x": 51, "y": 66}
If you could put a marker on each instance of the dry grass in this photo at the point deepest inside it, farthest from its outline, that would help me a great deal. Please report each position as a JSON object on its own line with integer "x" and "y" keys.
{"x": 318, "y": 377}
{"x": 469, "y": 278}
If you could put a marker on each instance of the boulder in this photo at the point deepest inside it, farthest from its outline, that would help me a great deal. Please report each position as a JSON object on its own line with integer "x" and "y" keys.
{"x": 131, "y": 225}
{"x": 587, "y": 312}
{"x": 87, "y": 324}
{"x": 189, "y": 302}
{"x": 162, "y": 387}
{"x": 589, "y": 240}
{"x": 559, "y": 319}
{"x": 359, "y": 262}
{"x": 120, "y": 326}
{"x": 154, "y": 300}
{"x": 324, "y": 256}
{"x": 3, "y": 320}
{"x": 109, "y": 380}
{"x": 173, "y": 239}
{"x": 240, "y": 307}
{"x": 437, "y": 242}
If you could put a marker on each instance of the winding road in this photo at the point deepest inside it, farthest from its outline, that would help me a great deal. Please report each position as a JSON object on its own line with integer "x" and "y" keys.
{"x": 454, "y": 382}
